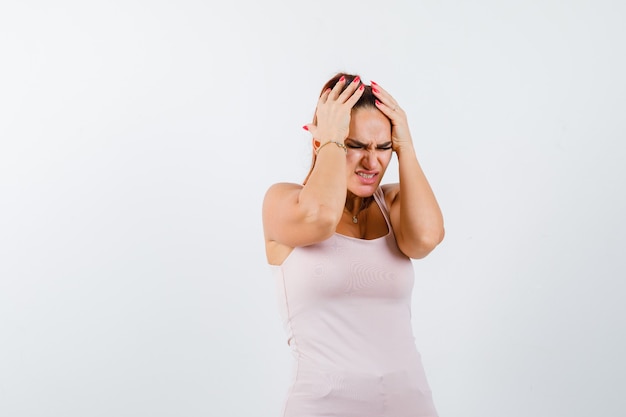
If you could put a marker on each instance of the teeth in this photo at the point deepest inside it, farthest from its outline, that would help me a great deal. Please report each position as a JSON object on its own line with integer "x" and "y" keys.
{"x": 360, "y": 174}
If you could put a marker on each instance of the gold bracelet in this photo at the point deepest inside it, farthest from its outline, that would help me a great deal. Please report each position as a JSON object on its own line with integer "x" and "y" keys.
{"x": 339, "y": 144}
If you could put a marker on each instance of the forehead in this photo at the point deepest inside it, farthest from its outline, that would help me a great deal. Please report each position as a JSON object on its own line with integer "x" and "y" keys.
{"x": 369, "y": 125}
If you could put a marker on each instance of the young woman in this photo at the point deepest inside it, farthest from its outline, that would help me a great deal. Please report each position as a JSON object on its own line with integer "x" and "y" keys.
{"x": 340, "y": 246}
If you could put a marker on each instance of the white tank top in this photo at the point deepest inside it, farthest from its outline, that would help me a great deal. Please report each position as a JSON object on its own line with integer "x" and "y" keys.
{"x": 346, "y": 308}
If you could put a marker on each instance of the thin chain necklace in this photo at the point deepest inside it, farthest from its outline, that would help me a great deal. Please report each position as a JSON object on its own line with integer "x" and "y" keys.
{"x": 355, "y": 218}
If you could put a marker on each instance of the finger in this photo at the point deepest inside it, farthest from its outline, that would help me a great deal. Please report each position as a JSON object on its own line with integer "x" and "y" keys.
{"x": 383, "y": 95}
{"x": 336, "y": 91}
{"x": 379, "y": 89}
{"x": 324, "y": 96}
{"x": 355, "y": 96}
{"x": 392, "y": 112}
{"x": 350, "y": 89}
{"x": 311, "y": 128}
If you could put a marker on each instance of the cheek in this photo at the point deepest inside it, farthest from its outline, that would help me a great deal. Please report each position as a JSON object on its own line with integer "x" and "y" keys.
{"x": 352, "y": 159}
{"x": 385, "y": 159}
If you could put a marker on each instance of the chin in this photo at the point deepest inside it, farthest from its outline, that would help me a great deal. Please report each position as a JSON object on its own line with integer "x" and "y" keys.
{"x": 364, "y": 191}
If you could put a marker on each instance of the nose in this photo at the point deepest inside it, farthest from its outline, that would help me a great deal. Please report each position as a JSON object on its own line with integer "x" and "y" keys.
{"x": 370, "y": 160}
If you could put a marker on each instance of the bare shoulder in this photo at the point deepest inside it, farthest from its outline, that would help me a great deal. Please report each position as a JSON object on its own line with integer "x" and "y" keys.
{"x": 279, "y": 191}
{"x": 293, "y": 220}
{"x": 276, "y": 198}
{"x": 282, "y": 187}
{"x": 391, "y": 192}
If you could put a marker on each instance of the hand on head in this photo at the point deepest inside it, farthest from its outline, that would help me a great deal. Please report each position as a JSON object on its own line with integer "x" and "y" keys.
{"x": 344, "y": 93}
{"x": 400, "y": 135}
{"x": 332, "y": 115}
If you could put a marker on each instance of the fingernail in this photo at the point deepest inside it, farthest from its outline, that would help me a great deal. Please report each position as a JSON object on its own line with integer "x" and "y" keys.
{"x": 356, "y": 80}
{"x": 378, "y": 102}
{"x": 361, "y": 87}
{"x": 375, "y": 90}
{"x": 373, "y": 83}
{"x": 342, "y": 79}
{"x": 305, "y": 127}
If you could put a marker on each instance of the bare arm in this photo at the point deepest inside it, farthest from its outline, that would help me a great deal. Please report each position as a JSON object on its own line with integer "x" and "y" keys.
{"x": 295, "y": 215}
{"x": 415, "y": 214}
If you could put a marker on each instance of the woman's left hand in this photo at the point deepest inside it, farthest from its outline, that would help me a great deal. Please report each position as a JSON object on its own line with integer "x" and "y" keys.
{"x": 400, "y": 134}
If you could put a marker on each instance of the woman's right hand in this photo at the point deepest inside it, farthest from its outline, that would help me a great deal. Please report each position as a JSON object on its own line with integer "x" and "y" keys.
{"x": 333, "y": 111}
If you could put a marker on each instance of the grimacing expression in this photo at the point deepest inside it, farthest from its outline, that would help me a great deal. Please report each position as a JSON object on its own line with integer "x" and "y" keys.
{"x": 369, "y": 150}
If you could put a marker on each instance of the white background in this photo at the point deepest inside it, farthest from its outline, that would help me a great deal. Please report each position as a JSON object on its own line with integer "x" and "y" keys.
{"x": 137, "y": 139}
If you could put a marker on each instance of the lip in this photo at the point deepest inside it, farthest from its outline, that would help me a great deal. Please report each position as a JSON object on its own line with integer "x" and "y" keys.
{"x": 367, "y": 177}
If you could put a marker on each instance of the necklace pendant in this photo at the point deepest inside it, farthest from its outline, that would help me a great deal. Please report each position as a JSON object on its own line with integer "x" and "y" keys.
{"x": 355, "y": 220}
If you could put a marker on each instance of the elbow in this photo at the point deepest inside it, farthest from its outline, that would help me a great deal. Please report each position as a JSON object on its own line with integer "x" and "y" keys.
{"x": 424, "y": 245}
{"x": 430, "y": 241}
{"x": 327, "y": 226}
{"x": 441, "y": 233}
{"x": 422, "y": 249}
{"x": 324, "y": 220}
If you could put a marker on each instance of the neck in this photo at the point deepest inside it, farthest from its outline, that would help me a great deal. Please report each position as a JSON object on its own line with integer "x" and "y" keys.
{"x": 355, "y": 204}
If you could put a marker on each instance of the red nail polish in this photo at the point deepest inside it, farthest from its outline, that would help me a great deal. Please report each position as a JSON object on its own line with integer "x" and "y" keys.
{"x": 356, "y": 80}
{"x": 342, "y": 79}
{"x": 378, "y": 102}
{"x": 305, "y": 127}
{"x": 373, "y": 83}
{"x": 362, "y": 87}
{"x": 375, "y": 90}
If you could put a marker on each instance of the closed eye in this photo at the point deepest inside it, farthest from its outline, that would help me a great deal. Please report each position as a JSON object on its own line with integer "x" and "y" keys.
{"x": 354, "y": 146}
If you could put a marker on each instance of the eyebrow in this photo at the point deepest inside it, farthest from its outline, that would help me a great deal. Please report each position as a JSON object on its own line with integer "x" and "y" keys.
{"x": 378, "y": 145}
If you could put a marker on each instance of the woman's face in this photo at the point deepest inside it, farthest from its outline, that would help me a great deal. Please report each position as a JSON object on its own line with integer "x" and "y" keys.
{"x": 369, "y": 150}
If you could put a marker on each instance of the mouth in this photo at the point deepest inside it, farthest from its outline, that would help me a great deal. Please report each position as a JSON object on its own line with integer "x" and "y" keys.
{"x": 367, "y": 177}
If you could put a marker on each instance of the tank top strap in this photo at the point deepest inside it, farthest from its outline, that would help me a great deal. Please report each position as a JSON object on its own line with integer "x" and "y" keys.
{"x": 379, "y": 197}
